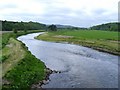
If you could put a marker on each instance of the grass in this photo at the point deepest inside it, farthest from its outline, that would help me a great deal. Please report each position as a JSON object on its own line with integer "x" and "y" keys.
{"x": 15, "y": 53}
{"x": 20, "y": 68}
{"x": 26, "y": 71}
{"x": 101, "y": 40}
{"x": 89, "y": 34}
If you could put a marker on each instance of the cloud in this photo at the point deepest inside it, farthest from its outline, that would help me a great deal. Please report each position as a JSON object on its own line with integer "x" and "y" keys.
{"x": 7, "y": 6}
{"x": 72, "y": 12}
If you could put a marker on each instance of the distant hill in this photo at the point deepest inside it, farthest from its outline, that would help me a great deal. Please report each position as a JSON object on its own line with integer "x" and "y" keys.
{"x": 64, "y": 26}
{"x": 10, "y": 25}
{"x": 68, "y": 27}
{"x": 107, "y": 26}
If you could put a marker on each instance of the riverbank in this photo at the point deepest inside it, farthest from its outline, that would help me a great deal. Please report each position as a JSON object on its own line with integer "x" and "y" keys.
{"x": 20, "y": 69}
{"x": 104, "y": 41}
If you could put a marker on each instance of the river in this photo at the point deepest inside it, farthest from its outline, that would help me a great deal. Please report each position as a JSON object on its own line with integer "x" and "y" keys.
{"x": 80, "y": 67}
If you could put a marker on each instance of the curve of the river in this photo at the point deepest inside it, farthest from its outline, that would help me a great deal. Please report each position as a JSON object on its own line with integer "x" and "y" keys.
{"x": 80, "y": 67}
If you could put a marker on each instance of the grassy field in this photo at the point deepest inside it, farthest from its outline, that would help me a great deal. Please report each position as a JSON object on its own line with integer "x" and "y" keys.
{"x": 20, "y": 69}
{"x": 106, "y": 41}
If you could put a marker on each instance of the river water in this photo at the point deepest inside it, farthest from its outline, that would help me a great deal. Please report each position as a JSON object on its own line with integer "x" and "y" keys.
{"x": 80, "y": 67}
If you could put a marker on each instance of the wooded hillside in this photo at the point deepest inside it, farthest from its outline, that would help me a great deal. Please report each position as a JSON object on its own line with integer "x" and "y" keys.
{"x": 107, "y": 26}
{"x": 10, "y": 25}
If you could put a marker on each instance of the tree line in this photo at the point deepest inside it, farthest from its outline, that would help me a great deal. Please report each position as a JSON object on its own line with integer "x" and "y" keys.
{"x": 10, "y": 25}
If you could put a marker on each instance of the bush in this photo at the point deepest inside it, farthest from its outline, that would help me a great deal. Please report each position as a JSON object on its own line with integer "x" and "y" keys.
{"x": 52, "y": 28}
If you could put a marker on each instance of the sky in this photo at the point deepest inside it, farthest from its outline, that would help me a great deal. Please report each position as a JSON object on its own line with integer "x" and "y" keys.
{"x": 81, "y": 13}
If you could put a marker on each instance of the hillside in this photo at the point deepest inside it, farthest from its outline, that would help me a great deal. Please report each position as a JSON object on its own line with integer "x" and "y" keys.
{"x": 107, "y": 26}
{"x": 68, "y": 27}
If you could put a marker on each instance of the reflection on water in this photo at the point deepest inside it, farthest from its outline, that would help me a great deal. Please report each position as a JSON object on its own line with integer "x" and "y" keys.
{"x": 81, "y": 67}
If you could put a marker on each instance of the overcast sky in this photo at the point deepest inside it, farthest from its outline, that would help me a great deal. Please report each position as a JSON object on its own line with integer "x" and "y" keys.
{"x": 82, "y": 13}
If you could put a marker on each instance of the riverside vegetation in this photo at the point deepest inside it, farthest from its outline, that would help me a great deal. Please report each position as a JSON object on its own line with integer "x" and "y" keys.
{"x": 20, "y": 69}
{"x": 106, "y": 41}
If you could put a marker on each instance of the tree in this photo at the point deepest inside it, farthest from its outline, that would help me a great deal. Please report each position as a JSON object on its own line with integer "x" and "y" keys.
{"x": 25, "y": 30}
{"x": 52, "y": 28}
{"x": 15, "y": 31}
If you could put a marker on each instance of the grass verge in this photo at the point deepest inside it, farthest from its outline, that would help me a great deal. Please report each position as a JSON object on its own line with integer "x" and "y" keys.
{"x": 105, "y": 41}
{"x": 20, "y": 69}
